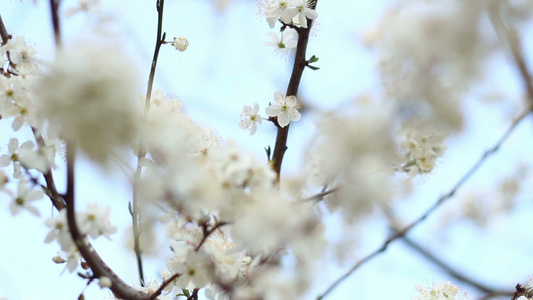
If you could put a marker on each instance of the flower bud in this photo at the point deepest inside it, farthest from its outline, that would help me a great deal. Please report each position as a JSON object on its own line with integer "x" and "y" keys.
{"x": 181, "y": 43}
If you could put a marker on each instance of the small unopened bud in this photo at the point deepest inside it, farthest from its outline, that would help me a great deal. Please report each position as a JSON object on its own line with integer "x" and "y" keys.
{"x": 104, "y": 282}
{"x": 181, "y": 43}
{"x": 58, "y": 259}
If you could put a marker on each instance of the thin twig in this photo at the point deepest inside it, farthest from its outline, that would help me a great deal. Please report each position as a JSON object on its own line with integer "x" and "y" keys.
{"x": 163, "y": 285}
{"x": 320, "y": 196}
{"x": 208, "y": 233}
{"x": 453, "y": 272}
{"x": 508, "y": 33}
{"x": 141, "y": 150}
{"x": 440, "y": 263}
{"x": 51, "y": 190}
{"x": 428, "y": 212}
{"x": 297, "y": 71}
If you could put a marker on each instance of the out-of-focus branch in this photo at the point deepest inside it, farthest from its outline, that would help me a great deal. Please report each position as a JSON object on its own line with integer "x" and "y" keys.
{"x": 428, "y": 212}
{"x": 493, "y": 292}
{"x": 136, "y": 222}
{"x": 320, "y": 196}
{"x": 454, "y": 272}
{"x": 297, "y": 71}
{"x": 54, "y": 11}
{"x": 510, "y": 36}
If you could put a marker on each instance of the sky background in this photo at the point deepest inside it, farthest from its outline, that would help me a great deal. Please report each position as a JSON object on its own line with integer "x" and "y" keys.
{"x": 227, "y": 66}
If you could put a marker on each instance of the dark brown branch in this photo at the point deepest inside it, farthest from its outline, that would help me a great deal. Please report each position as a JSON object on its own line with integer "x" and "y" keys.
{"x": 54, "y": 11}
{"x": 163, "y": 285}
{"x": 142, "y": 151}
{"x": 208, "y": 233}
{"x": 95, "y": 262}
{"x": 297, "y": 71}
{"x": 98, "y": 266}
{"x": 428, "y": 212}
{"x": 3, "y": 32}
{"x": 50, "y": 189}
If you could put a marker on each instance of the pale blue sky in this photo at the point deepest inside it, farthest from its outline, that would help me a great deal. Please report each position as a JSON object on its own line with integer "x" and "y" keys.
{"x": 227, "y": 66}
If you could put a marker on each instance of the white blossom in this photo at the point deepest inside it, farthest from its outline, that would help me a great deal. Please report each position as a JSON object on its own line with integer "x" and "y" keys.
{"x": 95, "y": 221}
{"x": 25, "y": 195}
{"x": 423, "y": 144}
{"x": 14, "y": 156}
{"x": 284, "y": 108}
{"x": 440, "y": 291}
{"x": 286, "y": 44}
{"x": 249, "y": 118}
{"x": 59, "y": 231}
{"x": 305, "y": 12}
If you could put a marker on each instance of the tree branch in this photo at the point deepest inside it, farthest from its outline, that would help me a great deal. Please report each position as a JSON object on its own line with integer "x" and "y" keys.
{"x": 54, "y": 11}
{"x": 297, "y": 71}
{"x": 453, "y": 272}
{"x": 163, "y": 285}
{"x": 428, "y": 212}
{"x": 3, "y": 32}
{"x": 208, "y": 233}
{"x": 98, "y": 266}
{"x": 508, "y": 33}
{"x": 141, "y": 150}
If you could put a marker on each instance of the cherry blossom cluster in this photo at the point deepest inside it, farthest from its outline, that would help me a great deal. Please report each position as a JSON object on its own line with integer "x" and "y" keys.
{"x": 94, "y": 222}
{"x": 284, "y": 110}
{"x": 234, "y": 227}
{"x": 291, "y": 12}
{"x": 440, "y": 291}
{"x": 423, "y": 144}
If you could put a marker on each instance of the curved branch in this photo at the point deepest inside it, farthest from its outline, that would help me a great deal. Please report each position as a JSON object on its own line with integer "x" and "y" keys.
{"x": 428, "y": 212}
{"x": 98, "y": 266}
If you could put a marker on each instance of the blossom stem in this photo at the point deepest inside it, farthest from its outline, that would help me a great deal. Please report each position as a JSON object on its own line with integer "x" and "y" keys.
{"x": 160, "y": 39}
{"x": 297, "y": 71}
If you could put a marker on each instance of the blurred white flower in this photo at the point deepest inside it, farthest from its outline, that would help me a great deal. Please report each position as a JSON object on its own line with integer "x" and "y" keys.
{"x": 89, "y": 95}
{"x": 25, "y": 195}
{"x": 95, "y": 221}
{"x": 14, "y": 155}
{"x": 440, "y": 291}
{"x": 249, "y": 118}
